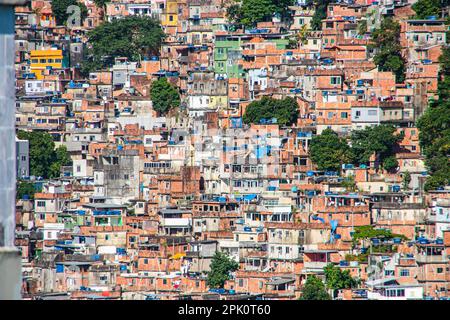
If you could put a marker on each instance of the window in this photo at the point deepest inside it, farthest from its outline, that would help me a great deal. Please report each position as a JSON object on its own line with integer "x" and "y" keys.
{"x": 439, "y": 270}
{"x": 344, "y": 115}
{"x": 404, "y": 273}
{"x": 335, "y": 80}
{"x": 41, "y": 203}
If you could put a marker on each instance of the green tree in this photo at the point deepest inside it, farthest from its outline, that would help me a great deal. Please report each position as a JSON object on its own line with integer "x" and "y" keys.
{"x": 367, "y": 232}
{"x": 133, "y": 37}
{"x": 349, "y": 183}
{"x": 314, "y": 289}
{"x": 234, "y": 13}
{"x": 285, "y": 110}
{"x": 386, "y": 40}
{"x": 101, "y": 3}
{"x": 380, "y": 140}
{"x": 221, "y": 266}
{"x": 434, "y": 136}
{"x": 41, "y": 149}
{"x": 406, "y": 180}
{"x": 45, "y": 161}
{"x": 426, "y": 8}
{"x": 362, "y": 27}
{"x": 434, "y": 130}
{"x": 59, "y": 9}
{"x": 254, "y": 11}
{"x": 25, "y": 188}
{"x": 328, "y": 151}
{"x": 62, "y": 158}
{"x": 336, "y": 279}
{"x": 320, "y": 13}
{"x": 444, "y": 74}
{"x": 250, "y": 12}
{"x": 164, "y": 96}
{"x": 390, "y": 163}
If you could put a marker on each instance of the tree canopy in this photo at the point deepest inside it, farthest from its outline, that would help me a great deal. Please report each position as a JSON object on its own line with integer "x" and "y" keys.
{"x": 133, "y": 37}
{"x": 101, "y": 3}
{"x": 328, "y": 151}
{"x": 367, "y": 232}
{"x": 25, "y": 188}
{"x": 285, "y": 110}
{"x": 320, "y": 13}
{"x": 426, "y": 8}
{"x": 59, "y": 9}
{"x": 314, "y": 289}
{"x": 434, "y": 134}
{"x": 386, "y": 40}
{"x": 45, "y": 161}
{"x": 335, "y": 278}
{"x": 164, "y": 96}
{"x": 221, "y": 266}
{"x": 250, "y": 12}
{"x": 406, "y": 180}
{"x": 380, "y": 140}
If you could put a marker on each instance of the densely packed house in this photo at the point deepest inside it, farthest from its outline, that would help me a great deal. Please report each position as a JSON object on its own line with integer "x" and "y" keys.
{"x": 146, "y": 199}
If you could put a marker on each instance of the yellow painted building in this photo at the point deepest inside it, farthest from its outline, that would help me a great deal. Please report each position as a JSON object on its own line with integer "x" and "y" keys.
{"x": 170, "y": 14}
{"x": 41, "y": 59}
{"x": 218, "y": 102}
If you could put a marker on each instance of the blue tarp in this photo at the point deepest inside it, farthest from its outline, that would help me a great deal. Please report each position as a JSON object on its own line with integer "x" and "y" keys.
{"x": 59, "y": 268}
{"x": 236, "y": 122}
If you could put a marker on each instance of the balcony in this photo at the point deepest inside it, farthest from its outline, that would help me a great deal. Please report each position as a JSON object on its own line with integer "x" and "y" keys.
{"x": 314, "y": 266}
{"x": 431, "y": 258}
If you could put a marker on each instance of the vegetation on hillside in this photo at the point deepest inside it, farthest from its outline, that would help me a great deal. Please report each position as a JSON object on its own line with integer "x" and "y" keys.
{"x": 164, "y": 96}
{"x": 133, "y": 37}
{"x": 221, "y": 267}
{"x": 328, "y": 151}
{"x": 249, "y": 12}
{"x": 434, "y": 126}
{"x": 59, "y": 9}
{"x": 314, "y": 289}
{"x": 45, "y": 160}
{"x": 285, "y": 110}
{"x": 386, "y": 42}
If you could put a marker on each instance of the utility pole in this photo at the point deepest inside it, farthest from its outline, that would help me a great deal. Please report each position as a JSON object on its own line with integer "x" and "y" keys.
{"x": 10, "y": 258}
